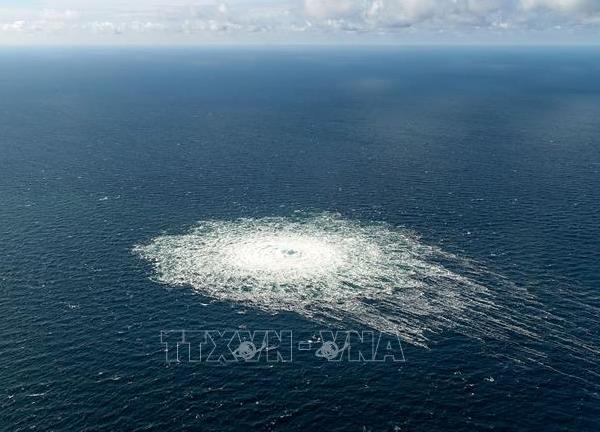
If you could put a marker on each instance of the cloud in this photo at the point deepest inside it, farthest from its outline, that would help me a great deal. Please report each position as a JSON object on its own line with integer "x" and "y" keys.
{"x": 392, "y": 16}
{"x": 332, "y": 9}
{"x": 565, "y": 6}
{"x": 291, "y": 20}
{"x": 15, "y": 26}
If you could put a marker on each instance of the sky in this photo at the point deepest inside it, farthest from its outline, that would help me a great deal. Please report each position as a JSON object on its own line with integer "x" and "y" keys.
{"x": 299, "y": 22}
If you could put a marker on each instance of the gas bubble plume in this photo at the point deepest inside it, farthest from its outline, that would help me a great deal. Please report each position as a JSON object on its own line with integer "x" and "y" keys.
{"x": 328, "y": 268}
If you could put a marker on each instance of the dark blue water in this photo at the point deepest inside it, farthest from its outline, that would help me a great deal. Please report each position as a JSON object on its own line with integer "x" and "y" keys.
{"x": 493, "y": 155}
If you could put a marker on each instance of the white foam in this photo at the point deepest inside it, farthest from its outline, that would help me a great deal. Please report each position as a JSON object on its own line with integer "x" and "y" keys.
{"x": 331, "y": 269}
{"x": 326, "y": 267}
{"x": 284, "y": 256}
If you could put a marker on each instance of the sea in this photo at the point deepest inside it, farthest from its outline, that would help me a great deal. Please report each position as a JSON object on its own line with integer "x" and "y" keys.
{"x": 444, "y": 199}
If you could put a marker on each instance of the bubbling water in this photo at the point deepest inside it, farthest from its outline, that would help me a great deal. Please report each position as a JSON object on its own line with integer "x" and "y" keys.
{"x": 284, "y": 255}
{"x": 328, "y": 268}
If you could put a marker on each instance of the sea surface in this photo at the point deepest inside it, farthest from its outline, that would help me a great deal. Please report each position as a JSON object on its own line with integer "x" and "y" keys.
{"x": 479, "y": 166}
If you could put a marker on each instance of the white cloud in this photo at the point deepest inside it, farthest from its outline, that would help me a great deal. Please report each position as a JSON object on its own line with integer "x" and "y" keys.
{"x": 332, "y": 9}
{"x": 403, "y": 13}
{"x": 568, "y": 6}
{"x": 15, "y": 26}
{"x": 285, "y": 20}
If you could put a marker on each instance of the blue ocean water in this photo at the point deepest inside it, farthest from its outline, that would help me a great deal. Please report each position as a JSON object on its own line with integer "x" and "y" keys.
{"x": 492, "y": 155}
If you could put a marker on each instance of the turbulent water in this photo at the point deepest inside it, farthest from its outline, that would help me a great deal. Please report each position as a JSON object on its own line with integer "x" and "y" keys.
{"x": 336, "y": 270}
{"x": 327, "y": 267}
